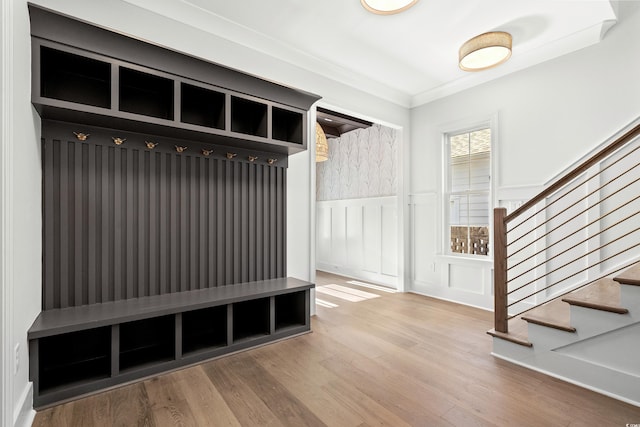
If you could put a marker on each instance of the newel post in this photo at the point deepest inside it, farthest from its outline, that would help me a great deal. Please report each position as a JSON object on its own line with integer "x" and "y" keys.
{"x": 500, "y": 270}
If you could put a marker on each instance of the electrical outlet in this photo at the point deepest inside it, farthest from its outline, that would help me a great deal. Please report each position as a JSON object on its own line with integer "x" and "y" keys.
{"x": 17, "y": 361}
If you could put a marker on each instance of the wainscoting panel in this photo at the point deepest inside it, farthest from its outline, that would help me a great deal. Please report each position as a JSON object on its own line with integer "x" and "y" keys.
{"x": 124, "y": 221}
{"x": 358, "y": 238}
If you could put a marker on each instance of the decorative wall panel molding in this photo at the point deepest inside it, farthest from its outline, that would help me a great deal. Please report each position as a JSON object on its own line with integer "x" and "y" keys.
{"x": 362, "y": 163}
{"x": 359, "y": 238}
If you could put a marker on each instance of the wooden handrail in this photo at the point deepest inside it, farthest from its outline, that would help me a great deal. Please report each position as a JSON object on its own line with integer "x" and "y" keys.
{"x": 600, "y": 155}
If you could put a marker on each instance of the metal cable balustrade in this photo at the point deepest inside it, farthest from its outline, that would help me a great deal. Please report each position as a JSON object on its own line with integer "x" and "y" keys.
{"x": 582, "y": 228}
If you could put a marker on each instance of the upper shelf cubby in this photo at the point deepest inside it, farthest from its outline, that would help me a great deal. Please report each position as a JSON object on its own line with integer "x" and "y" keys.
{"x": 146, "y": 94}
{"x": 201, "y": 106}
{"x": 89, "y": 75}
{"x": 248, "y": 117}
{"x": 74, "y": 78}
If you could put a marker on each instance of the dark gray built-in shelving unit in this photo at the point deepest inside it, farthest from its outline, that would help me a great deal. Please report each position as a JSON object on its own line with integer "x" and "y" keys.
{"x": 164, "y": 201}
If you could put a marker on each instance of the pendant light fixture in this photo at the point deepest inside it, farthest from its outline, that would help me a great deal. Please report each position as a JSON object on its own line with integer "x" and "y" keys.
{"x": 387, "y": 7}
{"x": 322, "y": 146}
{"x": 485, "y": 51}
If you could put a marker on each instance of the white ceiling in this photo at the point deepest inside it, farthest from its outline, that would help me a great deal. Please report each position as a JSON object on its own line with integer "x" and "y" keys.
{"x": 412, "y": 54}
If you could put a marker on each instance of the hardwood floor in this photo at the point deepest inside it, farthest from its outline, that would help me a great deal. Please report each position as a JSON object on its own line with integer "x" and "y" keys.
{"x": 374, "y": 359}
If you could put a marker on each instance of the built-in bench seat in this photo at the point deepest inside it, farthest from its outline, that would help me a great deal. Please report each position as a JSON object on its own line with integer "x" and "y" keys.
{"x": 78, "y": 350}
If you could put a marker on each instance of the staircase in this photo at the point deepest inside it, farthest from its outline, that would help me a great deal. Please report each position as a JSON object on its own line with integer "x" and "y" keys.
{"x": 567, "y": 274}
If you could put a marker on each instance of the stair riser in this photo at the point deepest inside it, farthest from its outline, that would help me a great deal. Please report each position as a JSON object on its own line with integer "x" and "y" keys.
{"x": 511, "y": 350}
{"x": 545, "y": 338}
{"x": 589, "y": 322}
{"x": 630, "y": 298}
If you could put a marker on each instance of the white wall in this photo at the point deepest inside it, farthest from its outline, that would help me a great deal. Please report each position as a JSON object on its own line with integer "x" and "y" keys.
{"x": 20, "y": 186}
{"x": 21, "y": 212}
{"x": 547, "y": 117}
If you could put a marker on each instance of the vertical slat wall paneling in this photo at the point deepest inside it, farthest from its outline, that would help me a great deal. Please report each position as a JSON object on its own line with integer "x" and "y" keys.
{"x": 63, "y": 300}
{"x": 220, "y": 197}
{"x": 48, "y": 236}
{"x": 130, "y": 224}
{"x": 153, "y": 179}
{"x": 273, "y": 229}
{"x": 266, "y": 223}
{"x": 173, "y": 260}
{"x": 125, "y": 221}
{"x": 90, "y": 236}
{"x": 202, "y": 220}
{"x": 259, "y": 224}
{"x": 183, "y": 227}
{"x": 236, "y": 239}
{"x": 76, "y": 297}
{"x": 251, "y": 221}
{"x": 105, "y": 266}
{"x": 119, "y": 226}
{"x": 193, "y": 222}
{"x": 244, "y": 228}
{"x": 228, "y": 223}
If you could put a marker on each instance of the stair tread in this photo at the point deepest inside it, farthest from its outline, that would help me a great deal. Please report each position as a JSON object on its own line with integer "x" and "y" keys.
{"x": 511, "y": 337}
{"x": 554, "y": 314}
{"x": 603, "y": 294}
{"x": 631, "y": 276}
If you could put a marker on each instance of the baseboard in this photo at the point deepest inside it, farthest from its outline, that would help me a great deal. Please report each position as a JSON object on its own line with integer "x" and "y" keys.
{"x": 567, "y": 380}
{"x": 374, "y": 278}
{"x": 24, "y": 417}
{"x": 424, "y": 294}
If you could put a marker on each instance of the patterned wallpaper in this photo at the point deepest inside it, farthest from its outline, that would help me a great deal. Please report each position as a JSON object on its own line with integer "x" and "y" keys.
{"x": 362, "y": 163}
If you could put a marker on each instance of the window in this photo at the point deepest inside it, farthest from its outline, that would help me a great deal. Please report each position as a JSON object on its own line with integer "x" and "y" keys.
{"x": 468, "y": 191}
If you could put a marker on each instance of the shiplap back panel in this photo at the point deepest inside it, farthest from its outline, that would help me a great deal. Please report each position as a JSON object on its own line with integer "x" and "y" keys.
{"x": 121, "y": 221}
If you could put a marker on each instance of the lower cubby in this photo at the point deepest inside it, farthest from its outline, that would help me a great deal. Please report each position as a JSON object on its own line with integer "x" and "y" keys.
{"x": 204, "y": 329}
{"x": 290, "y": 310}
{"x": 74, "y": 358}
{"x": 251, "y": 319}
{"x": 147, "y": 341}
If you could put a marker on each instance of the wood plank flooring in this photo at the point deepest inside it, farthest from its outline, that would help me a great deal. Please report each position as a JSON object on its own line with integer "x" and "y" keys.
{"x": 394, "y": 360}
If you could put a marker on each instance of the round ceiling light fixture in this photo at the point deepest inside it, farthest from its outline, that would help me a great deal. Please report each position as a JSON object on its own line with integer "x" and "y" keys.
{"x": 387, "y": 7}
{"x": 485, "y": 51}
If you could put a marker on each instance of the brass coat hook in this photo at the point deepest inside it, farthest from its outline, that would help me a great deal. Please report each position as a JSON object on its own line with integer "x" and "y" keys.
{"x": 271, "y": 161}
{"x": 150, "y": 145}
{"x": 119, "y": 141}
{"x": 253, "y": 158}
{"x": 206, "y": 152}
{"x": 231, "y": 155}
{"x": 180, "y": 149}
{"x": 81, "y": 136}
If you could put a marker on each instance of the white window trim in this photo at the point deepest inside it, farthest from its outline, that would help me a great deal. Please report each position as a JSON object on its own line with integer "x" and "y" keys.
{"x": 455, "y": 128}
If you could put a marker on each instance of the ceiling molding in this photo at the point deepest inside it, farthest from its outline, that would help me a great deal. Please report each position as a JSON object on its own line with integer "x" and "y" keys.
{"x": 563, "y": 46}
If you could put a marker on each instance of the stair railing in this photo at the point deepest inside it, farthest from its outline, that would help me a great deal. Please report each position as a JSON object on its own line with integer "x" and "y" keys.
{"x": 581, "y": 228}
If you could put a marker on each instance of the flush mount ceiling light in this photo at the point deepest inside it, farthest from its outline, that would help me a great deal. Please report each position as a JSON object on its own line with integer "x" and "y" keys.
{"x": 387, "y": 7}
{"x": 322, "y": 146}
{"x": 485, "y": 51}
